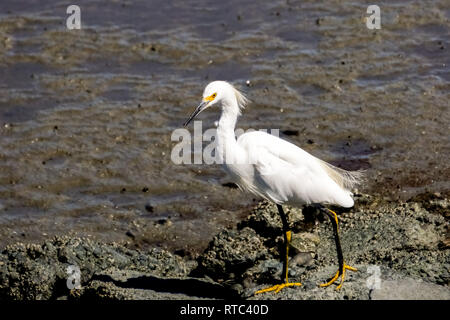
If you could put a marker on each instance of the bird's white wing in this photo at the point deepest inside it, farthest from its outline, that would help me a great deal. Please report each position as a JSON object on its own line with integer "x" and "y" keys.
{"x": 285, "y": 173}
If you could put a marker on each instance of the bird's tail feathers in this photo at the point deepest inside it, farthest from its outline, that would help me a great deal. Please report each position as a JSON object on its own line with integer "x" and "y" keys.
{"x": 345, "y": 179}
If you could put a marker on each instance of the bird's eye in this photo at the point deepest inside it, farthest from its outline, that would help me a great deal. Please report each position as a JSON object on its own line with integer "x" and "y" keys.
{"x": 211, "y": 97}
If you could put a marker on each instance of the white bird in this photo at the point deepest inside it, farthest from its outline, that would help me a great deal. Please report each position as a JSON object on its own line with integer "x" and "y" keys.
{"x": 276, "y": 170}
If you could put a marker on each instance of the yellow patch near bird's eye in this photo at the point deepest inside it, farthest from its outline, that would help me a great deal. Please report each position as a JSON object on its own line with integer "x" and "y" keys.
{"x": 211, "y": 97}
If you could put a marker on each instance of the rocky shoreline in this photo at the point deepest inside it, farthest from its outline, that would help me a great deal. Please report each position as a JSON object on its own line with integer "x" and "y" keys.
{"x": 401, "y": 251}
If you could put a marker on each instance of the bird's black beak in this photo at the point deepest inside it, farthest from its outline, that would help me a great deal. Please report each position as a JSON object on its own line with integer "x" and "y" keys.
{"x": 202, "y": 106}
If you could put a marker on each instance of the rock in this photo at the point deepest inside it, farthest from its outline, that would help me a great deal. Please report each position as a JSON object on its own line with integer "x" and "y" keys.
{"x": 263, "y": 221}
{"x": 35, "y": 272}
{"x": 302, "y": 259}
{"x": 433, "y": 202}
{"x": 421, "y": 236}
{"x": 401, "y": 237}
{"x": 393, "y": 285}
{"x": 115, "y": 284}
{"x": 304, "y": 242}
{"x": 266, "y": 221}
{"x": 400, "y": 244}
{"x": 410, "y": 289}
{"x": 231, "y": 252}
{"x": 266, "y": 271}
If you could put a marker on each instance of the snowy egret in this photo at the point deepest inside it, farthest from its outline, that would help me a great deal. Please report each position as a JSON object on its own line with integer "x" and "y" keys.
{"x": 277, "y": 170}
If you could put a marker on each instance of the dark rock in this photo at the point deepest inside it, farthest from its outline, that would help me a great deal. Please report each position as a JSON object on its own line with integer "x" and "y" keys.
{"x": 265, "y": 220}
{"x": 115, "y": 284}
{"x": 231, "y": 251}
{"x": 403, "y": 241}
{"x": 35, "y": 272}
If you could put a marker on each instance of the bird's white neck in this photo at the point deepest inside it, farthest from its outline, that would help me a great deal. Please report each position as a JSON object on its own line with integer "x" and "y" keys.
{"x": 226, "y": 139}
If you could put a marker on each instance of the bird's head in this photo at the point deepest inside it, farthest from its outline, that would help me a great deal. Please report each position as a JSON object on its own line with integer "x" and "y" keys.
{"x": 221, "y": 94}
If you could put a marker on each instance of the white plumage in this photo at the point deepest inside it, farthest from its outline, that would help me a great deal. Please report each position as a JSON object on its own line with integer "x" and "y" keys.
{"x": 286, "y": 174}
{"x": 268, "y": 166}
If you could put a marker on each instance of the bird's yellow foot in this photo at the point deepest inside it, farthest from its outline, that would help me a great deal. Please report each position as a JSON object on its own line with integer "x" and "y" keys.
{"x": 337, "y": 275}
{"x": 278, "y": 287}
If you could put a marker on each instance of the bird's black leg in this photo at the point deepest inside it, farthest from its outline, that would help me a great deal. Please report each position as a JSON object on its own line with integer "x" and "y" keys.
{"x": 342, "y": 266}
{"x": 287, "y": 239}
{"x": 334, "y": 222}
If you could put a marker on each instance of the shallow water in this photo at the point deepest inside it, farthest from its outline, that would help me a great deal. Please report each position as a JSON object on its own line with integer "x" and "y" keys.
{"x": 87, "y": 115}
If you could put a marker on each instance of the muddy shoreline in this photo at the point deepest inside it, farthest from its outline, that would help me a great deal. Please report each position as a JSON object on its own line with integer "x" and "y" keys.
{"x": 86, "y": 119}
{"x": 86, "y": 116}
{"x": 407, "y": 242}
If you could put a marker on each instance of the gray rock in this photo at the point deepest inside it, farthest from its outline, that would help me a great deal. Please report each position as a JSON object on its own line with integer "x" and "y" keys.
{"x": 266, "y": 221}
{"x": 422, "y": 236}
{"x": 231, "y": 252}
{"x": 304, "y": 242}
{"x": 410, "y": 289}
{"x": 115, "y": 284}
{"x": 400, "y": 244}
{"x": 399, "y": 238}
{"x": 38, "y": 272}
